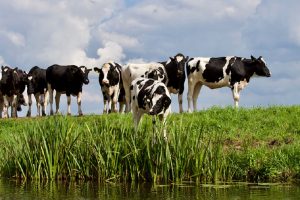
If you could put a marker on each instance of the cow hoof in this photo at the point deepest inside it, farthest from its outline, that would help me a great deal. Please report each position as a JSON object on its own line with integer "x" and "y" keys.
{"x": 51, "y": 112}
{"x": 80, "y": 114}
{"x": 69, "y": 114}
{"x": 28, "y": 114}
{"x": 43, "y": 114}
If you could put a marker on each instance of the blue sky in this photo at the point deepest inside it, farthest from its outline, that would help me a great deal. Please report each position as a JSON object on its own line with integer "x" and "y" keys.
{"x": 91, "y": 32}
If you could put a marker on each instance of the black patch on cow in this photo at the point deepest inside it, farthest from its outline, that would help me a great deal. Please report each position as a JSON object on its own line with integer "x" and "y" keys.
{"x": 131, "y": 87}
{"x": 113, "y": 76}
{"x": 133, "y": 97}
{"x": 176, "y": 73}
{"x": 38, "y": 82}
{"x": 121, "y": 97}
{"x": 144, "y": 93}
{"x": 160, "y": 90}
{"x": 143, "y": 76}
{"x": 161, "y": 105}
{"x": 214, "y": 69}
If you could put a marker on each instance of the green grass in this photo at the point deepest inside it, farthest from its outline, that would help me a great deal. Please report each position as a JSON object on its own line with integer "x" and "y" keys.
{"x": 218, "y": 144}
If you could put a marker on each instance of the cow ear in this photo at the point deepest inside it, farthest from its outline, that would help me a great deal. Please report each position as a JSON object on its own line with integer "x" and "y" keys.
{"x": 96, "y": 69}
{"x": 253, "y": 58}
{"x": 172, "y": 59}
{"x": 186, "y": 58}
{"x": 2, "y": 67}
{"x": 260, "y": 57}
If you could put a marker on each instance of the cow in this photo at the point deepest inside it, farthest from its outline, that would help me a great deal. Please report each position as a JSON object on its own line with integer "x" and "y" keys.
{"x": 66, "y": 79}
{"x": 231, "y": 71}
{"x": 171, "y": 72}
{"x": 111, "y": 84}
{"x": 37, "y": 86}
{"x": 13, "y": 83}
{"x": 151, "y": 97}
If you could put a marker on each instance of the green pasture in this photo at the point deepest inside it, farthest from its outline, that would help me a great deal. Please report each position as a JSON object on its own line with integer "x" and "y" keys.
{"x": 217, "y": 144}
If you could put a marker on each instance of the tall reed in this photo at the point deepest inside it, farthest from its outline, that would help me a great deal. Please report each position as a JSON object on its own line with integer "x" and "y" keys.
{"x": 209, "y": 146}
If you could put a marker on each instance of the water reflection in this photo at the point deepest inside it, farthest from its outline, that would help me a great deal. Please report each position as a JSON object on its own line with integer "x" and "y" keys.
{"x": 89, "y": 190}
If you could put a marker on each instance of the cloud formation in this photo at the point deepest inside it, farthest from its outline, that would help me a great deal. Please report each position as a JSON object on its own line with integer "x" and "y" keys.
{"x": 91, "y": 32}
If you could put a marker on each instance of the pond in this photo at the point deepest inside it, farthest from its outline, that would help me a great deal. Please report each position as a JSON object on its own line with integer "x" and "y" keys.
{"x": 90, "y": 190}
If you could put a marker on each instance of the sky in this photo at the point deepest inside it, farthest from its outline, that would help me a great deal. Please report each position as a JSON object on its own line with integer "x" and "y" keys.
{"x": 91, "y": 32}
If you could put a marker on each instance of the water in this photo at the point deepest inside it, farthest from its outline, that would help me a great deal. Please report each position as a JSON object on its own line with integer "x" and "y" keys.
{"x": 90, "y": 190}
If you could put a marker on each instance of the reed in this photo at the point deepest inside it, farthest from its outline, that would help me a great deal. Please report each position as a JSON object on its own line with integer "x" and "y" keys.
{"x": 218, "y": 144}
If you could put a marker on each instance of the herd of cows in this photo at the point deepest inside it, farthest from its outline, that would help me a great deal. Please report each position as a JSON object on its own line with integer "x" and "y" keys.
{"x": 143, "y": 88}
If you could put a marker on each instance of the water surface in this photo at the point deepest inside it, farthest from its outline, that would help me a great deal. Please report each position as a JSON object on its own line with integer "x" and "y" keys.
{"x": 90, "y": 190}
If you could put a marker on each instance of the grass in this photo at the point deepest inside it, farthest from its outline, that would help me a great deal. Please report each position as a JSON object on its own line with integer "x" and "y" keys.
{"x": 218, "y": 144}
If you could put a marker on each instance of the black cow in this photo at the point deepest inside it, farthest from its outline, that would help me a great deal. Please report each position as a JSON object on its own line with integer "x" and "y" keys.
{"x": 231, "y": 71}
{"x": 151, "y": 97}
{"x": 66, "y": 79}
{"x": 175, "y": 69}
{"x": 12, "y": 84}
{"x": 111, "y": 84}
{"x": 37, "y": 86}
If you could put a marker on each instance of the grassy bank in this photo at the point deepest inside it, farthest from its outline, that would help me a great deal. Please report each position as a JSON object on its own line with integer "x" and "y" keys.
{"x": 219, "y": 144}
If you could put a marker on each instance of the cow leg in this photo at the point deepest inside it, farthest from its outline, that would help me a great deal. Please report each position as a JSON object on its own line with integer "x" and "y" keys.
{"x": 29, "y": 105}
{"x": 14, "y": 105}
{"x": 57, "y": 98}
{"x": 50, "y": 98}
{"x": 127, "y": 98}
{"x": 109, "y": 105}
{"x": 190, "y": 94}
{"x": 69, "y": 104}
{"x": 121, "y": 107}
{"x": 1, "y": 105}
{"x": 236, "y": 94}
{"x": 44, "y": 102}
{"x": 137, "y": 115}
{"x": 196, "y": 92}
{"x": 105, "y": 106}
{"x": 79, "y": 103}
{"x": 180, "y": 102}
{"x": 5, "y": 106}
{"x": 38, "y": 104}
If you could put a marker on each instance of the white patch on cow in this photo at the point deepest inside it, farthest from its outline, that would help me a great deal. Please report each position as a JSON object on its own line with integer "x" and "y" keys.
{"x": 5, "y": 69}
{"x": 29, "y": 78}
{"x": 15, "y": 72}
{"x": 82, "y": 69}
{"x": 242, "y": 84}
{"x": 105, "y": 68}
{"x": 179, "y": 58}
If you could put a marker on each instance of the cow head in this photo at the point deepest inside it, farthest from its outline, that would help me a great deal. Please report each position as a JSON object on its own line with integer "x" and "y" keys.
{"x": 7, "y": 74}
{"x": 160, "y": 103}
{"x": 108, "y": 74}
{"x": 260, "y": 66}
{"x": 85, "y": 72}
{"x": 179, "y": 61}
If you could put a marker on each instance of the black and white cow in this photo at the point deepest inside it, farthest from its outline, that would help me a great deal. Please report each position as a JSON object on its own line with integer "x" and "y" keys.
{"x": 231, "y": 71}
{"x": 37, "y": 86}
{"x": 66, "y": 79}
{"x": 111, "y": 84}
{"x": 13, "y": 83}
{"x": 151, "y": 97}
{"x": 171, "y": 72}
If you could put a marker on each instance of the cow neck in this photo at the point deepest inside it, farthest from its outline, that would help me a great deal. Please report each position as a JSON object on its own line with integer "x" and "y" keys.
{"x": 250, "y": 69}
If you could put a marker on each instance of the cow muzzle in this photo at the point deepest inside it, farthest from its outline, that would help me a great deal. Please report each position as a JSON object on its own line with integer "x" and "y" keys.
{"x": 105, "y": 82}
